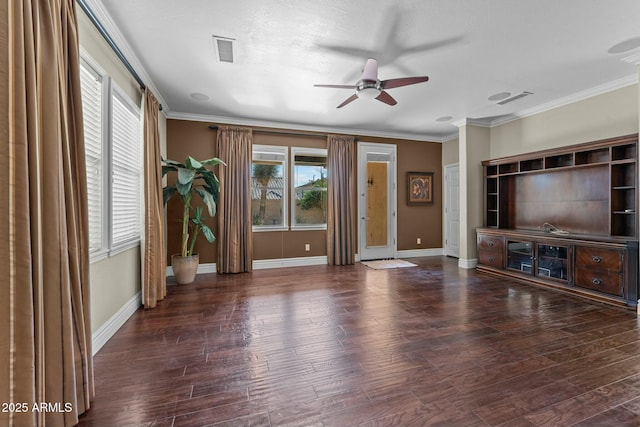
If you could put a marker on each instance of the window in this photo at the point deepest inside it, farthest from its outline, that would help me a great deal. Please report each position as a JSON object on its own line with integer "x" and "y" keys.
{"x": 309, "y": 180}
{"x": 269, "y": 187}
{"x": 126, "y": 163}
{"x": 91, "y": 84}
{"x": 113, "y": 154}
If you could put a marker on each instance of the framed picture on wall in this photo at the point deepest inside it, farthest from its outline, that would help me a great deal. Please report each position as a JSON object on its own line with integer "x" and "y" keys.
{"x": 419, "y": 188}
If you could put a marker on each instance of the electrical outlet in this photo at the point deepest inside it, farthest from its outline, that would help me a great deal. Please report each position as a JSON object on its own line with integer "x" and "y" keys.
{"x": 307, "y": 247}
{"x": 419, "y": 241}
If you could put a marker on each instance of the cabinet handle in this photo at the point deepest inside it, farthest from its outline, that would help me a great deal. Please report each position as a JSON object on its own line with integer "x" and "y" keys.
{"x": 490, "y": 244}
{"x": 490, "y": 259}
{"x": 596, "y": 258}
{"x": 596, "y": 281}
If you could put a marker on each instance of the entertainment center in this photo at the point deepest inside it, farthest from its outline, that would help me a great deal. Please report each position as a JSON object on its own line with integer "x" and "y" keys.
{"x": 565, "y": 218}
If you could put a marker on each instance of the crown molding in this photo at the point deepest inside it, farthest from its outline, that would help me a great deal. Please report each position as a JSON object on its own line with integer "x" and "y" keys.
{"x": 632, "y": 59}
{"x": 485, "y": 123}
{"x": 238, "y": 121}
{"x": 560, "y": 102}
{"x": 97, "y": 9}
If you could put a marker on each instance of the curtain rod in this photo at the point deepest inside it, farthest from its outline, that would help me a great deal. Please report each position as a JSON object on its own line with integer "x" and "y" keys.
{"x": 283, "y": 133}
{"x": 103, "y": 32}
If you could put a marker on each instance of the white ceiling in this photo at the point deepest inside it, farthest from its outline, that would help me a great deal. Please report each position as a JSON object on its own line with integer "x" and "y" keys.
{"x": 470, "y": 49}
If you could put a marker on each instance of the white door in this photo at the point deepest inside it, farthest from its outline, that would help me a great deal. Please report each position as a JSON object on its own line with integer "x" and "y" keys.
{"x": 377, "y": 200}
{"x": 452, "y": 210}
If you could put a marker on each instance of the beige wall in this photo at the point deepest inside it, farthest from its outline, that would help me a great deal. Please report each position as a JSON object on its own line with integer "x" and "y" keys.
{"x": 115, "y": 280}
{"x": 92, "y": 43}
{"x": 450, "y": 152}
{"x": 607, "y": 115}
{"x": 474, "y": 146}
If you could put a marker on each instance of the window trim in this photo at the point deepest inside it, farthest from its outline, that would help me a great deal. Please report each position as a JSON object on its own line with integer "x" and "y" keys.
{"x": 283, "y": 150}
{"x": 320, "y": 152}
{"x": 87, "y": 62}
{"x": 109, "y": 89}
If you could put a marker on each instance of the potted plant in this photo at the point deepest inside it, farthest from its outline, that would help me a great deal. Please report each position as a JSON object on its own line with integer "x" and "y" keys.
{"x": 193, "y": 178}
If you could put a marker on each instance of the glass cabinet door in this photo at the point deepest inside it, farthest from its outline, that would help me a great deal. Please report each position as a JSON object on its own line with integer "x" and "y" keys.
{"x": 520, "y": 256}
{"x": 552, "y": 261}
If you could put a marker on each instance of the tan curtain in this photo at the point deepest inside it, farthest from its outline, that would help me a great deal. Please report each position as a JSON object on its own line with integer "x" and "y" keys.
{"x": 45, "y": 339}
{"x": 340, "y": 191}
{"x": 235, "y": 247}
{"x": 154, "y": 282}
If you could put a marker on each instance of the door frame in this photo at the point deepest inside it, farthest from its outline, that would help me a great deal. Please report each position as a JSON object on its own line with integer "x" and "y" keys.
{"x": 445, "y": 200}
{"x": 391, "y": 149}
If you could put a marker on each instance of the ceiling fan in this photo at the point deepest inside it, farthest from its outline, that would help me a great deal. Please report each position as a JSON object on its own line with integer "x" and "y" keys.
{"x": 369, "y": 87}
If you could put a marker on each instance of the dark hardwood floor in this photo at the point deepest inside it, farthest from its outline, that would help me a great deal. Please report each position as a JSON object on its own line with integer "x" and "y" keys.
{"x": 353, "y": 346}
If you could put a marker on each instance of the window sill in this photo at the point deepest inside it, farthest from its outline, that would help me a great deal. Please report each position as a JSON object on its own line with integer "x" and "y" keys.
{"x": 123, "y": 247}
{"x": 98, "y": 256}
{"x": 261, "y": 229}
{"x": 322, "y": 227}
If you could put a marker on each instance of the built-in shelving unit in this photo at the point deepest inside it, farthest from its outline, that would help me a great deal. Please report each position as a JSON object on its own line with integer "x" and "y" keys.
{"x": 504, "y": 184}
{"x": 589, "y": 193}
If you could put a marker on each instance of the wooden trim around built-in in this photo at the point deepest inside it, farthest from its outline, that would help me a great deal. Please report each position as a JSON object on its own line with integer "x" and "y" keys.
{"x": 578, "y": 292}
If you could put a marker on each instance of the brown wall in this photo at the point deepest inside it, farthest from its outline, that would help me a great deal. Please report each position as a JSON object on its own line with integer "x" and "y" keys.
{"x": 414, "y": 221}
{"x": 196, "y": 139}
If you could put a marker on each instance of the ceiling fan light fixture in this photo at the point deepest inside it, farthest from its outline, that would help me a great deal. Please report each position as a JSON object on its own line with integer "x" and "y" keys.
{"x": 368, "y": 89}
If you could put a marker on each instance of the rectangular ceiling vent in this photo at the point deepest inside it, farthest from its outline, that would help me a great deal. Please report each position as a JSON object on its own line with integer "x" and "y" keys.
{"x": 514, "y": 98}
{"x": 224, "y": 48}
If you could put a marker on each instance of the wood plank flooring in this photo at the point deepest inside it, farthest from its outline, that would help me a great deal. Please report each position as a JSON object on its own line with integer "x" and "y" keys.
{"x": 353, "y": 346}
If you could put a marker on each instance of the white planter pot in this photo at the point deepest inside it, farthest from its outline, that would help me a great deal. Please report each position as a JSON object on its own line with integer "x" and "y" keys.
{"x": 185, "y": 268}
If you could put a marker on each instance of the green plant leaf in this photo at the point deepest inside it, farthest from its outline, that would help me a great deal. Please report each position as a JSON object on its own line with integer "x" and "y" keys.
{"x": 184, "y": 189}
{"x": 167, "y": 192}
{"x": 172, "y": 162}
{"x": 168, "y": 168}
{"x": 193, "y": 163}
{"x": 185, "y": 176}
{"x": 208, "y": 199}
{"x": 208, "y": 233}
{"x": 213, "y": 161}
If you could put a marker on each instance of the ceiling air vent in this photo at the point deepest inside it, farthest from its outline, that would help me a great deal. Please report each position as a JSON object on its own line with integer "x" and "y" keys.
{"x": 514, "y": 98}
{"x": 224, "y": 48}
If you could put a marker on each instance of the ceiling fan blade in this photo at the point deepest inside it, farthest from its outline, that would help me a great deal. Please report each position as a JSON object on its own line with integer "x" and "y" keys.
{"x": 370, "y": 71}
{"x": 348, "y": 100}
{"x": 403, "y": 81}
{"x": 337, "y": 86}
{"x": 386, "y": 98}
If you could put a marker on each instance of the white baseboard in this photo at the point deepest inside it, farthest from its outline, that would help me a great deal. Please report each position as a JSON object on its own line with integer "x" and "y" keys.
{"x": 111, "y": 326}
{"x": 415, "y": 253}
{"x": 265, "y": 264}
{"x": 289, "y": 262}
{"x": 467, "y": 263}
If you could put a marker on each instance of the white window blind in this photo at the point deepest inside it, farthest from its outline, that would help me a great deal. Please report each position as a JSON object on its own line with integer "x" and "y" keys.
{"x": 91, "y": 86}
{"x": 126, "y": 172}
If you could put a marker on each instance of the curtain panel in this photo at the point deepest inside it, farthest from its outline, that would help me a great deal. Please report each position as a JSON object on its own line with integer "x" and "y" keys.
{"x": 154, "y": 281}
{"x": 45, "y": 329}
{"x": 340, "y": 207}
{"x": 235, "y": 245}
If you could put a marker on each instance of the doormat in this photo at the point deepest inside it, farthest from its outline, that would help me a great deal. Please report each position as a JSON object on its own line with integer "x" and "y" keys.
{"x": 388, "y": 263}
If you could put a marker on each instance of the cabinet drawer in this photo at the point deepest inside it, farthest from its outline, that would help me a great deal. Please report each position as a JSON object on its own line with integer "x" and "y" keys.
{"x": 599, "y": 280}
{"x": 491, "y": 258}
{"x": 491, "y": 243}
{"x": 606, "y": 259}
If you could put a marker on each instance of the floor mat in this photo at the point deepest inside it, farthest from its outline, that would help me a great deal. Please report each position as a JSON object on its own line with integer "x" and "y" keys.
{"x": 388, "y": 263}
